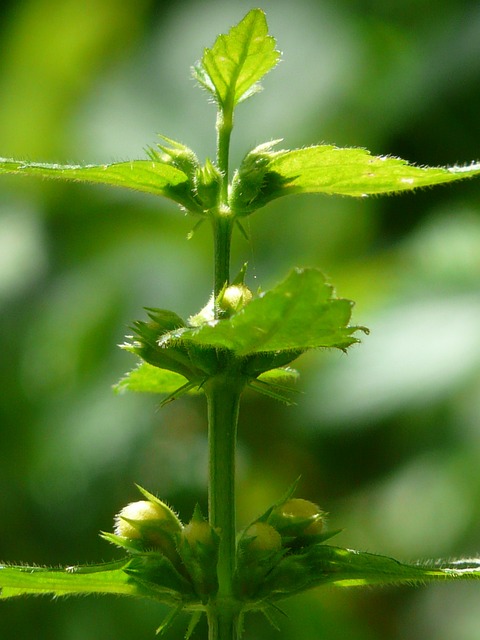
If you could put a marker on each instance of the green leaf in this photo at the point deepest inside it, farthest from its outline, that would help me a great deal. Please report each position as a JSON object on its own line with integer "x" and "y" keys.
{"x": 279, "y": 375}
{"x": 146, "y": 378}
{"x": 265, "y": 174}
{"x": 104, "y": 578}
{"x": 348, "y": 568}
{"x": 298, "y": 314}
{"x": 272, "y": 384}
{"x": 322, "y": 564}
{"x": 232, "y": 68}
{"x": 148, "y": 176}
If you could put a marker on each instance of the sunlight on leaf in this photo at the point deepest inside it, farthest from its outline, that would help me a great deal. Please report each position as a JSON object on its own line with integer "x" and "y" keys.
{"x": 105, "y": 578}
{"x": 300, "y": 313}
{"x": 146, "y": 378}
{"x": 232, "y": 68}
{"x": 352, "y": 172}
{"x": 148, "y": 176}
{"x": 322, "y": 564}
{"x": 149, "y": 379}
{"x": 280, "y": 375}
{"x": 351, "y": 568}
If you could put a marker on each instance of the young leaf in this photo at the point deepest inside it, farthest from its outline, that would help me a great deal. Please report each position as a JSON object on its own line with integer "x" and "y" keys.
{"x": 105, "y": 578}
{"x": 148, "y": 176}
{"x": 232, "y": 68}
{"x": 266, "y": 174}
{"x": 298, "y": 314}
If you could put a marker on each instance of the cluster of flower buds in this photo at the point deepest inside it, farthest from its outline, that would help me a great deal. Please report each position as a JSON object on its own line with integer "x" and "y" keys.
{"x": 201, "y": 190}
{"x": 280, "y": 553}
{"x": 272, "y": 551}
{"x": 182, "y": 557}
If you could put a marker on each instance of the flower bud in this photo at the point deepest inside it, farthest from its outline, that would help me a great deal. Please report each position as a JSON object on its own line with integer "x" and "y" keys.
{"x": 261, "y": 538}
{"x": 149, "y": 525}
{"x": 297, "y": 518}
{"x": 234, "y": 298}
{"x": 259, "y": 550}
{"x": 179, "y": 156}
{"x": 208, "y": 180}
{"x": 198, "y": 548}
{"x": 198, "y": 533}
{"x": 252, "y": 183}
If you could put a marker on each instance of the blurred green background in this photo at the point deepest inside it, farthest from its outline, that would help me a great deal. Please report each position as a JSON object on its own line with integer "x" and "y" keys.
{"x": 387, "y": 439}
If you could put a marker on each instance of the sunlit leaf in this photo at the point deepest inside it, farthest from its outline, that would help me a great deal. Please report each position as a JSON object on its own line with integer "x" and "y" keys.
{"x": 104, "y": 578}
{"x": 232, "y": 68}
{"x": 347, "y": 568}
{"x": 280, "y": 375}
{"x": 335, "y": 171}
{"x": 322, "y": 564}
{"x": 148, "y": 176}
{"x": 300, "y": 313}
{"x": 149, "y": 379}
{"x": 146, "y": 378}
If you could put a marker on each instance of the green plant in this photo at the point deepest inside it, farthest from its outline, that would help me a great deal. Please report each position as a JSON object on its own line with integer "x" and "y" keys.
{"x": 238, "y": 339}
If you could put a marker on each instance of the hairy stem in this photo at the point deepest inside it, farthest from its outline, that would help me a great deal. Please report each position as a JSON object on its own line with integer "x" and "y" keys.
{"x": 222, "y": 235}
{"x": 222, "y": 218}
{"x": 223, "y": 398}
{"x": 222, "y": 621}
{"x": 224, "y": 132}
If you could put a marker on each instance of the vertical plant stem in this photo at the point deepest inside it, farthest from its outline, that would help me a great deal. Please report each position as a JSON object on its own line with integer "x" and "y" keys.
{"x": 222, "y": 217}
{"x": 223, "y": 398}
{"x": 222, "y": 234}
{"x": 224, "y": 131}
